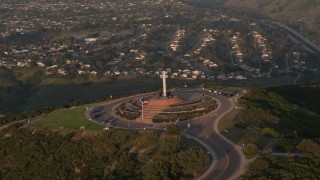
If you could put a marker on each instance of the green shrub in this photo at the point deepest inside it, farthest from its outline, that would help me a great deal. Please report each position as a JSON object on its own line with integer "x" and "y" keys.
{"x": 171, "y": 145}
{"x": 250, "y": 150}
{"x": 270, "y": 132}
{"x": 310, "y": 146}
{"x": 173, "y": 129}
{"x": 284, "y": 145}
{"x": 193, "y": 160}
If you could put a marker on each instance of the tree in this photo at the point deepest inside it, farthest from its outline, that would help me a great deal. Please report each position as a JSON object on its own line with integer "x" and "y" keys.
{"x": 259, "y": 165}
{"x": 155, "y": 170}
{"x": 284, "y": 145}
{"x": 270, "y": 132}
{"x": 171, "y": 145}
{"x": 100, "y": 64}
{"x": 193, "y": 160}
{"x": 250, "y": 150}
{"x": 147, "y": 139}
{"x": 172, "y": 129}
{"x": 310, "y": 146}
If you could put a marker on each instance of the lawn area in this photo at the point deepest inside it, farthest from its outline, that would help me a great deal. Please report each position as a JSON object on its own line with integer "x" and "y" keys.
{"x": 234, "y": 134}
{"x": 228, "y": 130}
{"x": 67, "y": 119}
{"x": 227, "y": 120}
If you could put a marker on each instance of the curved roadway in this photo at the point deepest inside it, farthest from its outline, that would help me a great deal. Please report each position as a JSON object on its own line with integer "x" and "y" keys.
{"x": 228, "y": 157}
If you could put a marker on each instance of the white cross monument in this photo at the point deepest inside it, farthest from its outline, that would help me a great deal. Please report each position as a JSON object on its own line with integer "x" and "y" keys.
{"x": 164, "y": 84}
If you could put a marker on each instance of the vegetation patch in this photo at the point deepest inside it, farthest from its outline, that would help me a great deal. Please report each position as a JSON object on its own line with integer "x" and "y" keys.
{"x": 113, "y": 154}
{"x": 271, "y": 114}
{"x": 268, "y": 166}
{"x": 286, "y": 133}
{"x": 305, "y": 96}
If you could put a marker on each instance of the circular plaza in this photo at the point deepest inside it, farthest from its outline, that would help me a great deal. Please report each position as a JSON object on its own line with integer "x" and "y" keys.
{"x": 166, "y": 106}
{"x": 177, "y": 106}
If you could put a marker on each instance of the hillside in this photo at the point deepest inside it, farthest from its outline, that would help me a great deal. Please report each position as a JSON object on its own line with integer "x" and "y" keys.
{"x": 280, "y": 128}
{"x": 114, "y": 154}
{"x": 303, "y": 15}
{"x": 304, "y": 10}
{"x": 266, "y": 109}
{"x": 305, "y": 96}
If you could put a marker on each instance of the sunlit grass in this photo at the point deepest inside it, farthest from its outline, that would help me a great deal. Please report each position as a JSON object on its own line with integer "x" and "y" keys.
{"x": 68, "y": 119}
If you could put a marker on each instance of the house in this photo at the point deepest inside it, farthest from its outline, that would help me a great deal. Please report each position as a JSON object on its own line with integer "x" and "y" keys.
{"x": 175, "y": 74}
{"x": 90, "y": 40}
{"x": 81, "y": 72}
{"x": 22, "y": 64}
{"x": 41, "y": 64}
{"x": 194, "y": 76}
{"x": 184, "y": 75}
{"x": 62, "y": 71}
{"x": 196, "y": 72}
{"x": 85, "y": 66}
{"x": 240, "y": 77}
{"x": 52, "y": 67}
{"x": 93, "y": 73}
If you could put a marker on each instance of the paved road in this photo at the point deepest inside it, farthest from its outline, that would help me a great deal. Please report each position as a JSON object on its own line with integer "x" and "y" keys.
{"x": 229, "y": 158}
{"x": 229, "y": 155}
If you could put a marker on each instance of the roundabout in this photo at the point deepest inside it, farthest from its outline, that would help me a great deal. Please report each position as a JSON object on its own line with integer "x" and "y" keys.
{"x": 228, "y": 159}
{"x": 180, "y": 106}
{"x": 197, "y": 112}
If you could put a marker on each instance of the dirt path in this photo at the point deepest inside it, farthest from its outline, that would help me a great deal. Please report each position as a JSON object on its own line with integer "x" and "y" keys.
{"x": 295, "y": 80}
{"x": 15, "y": 122}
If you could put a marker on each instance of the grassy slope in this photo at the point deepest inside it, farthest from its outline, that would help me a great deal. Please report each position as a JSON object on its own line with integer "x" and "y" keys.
{"x": 67, "y": 119}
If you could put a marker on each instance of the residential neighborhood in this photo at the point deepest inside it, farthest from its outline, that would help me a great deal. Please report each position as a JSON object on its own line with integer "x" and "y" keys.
{"x": 138, "y": 38}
